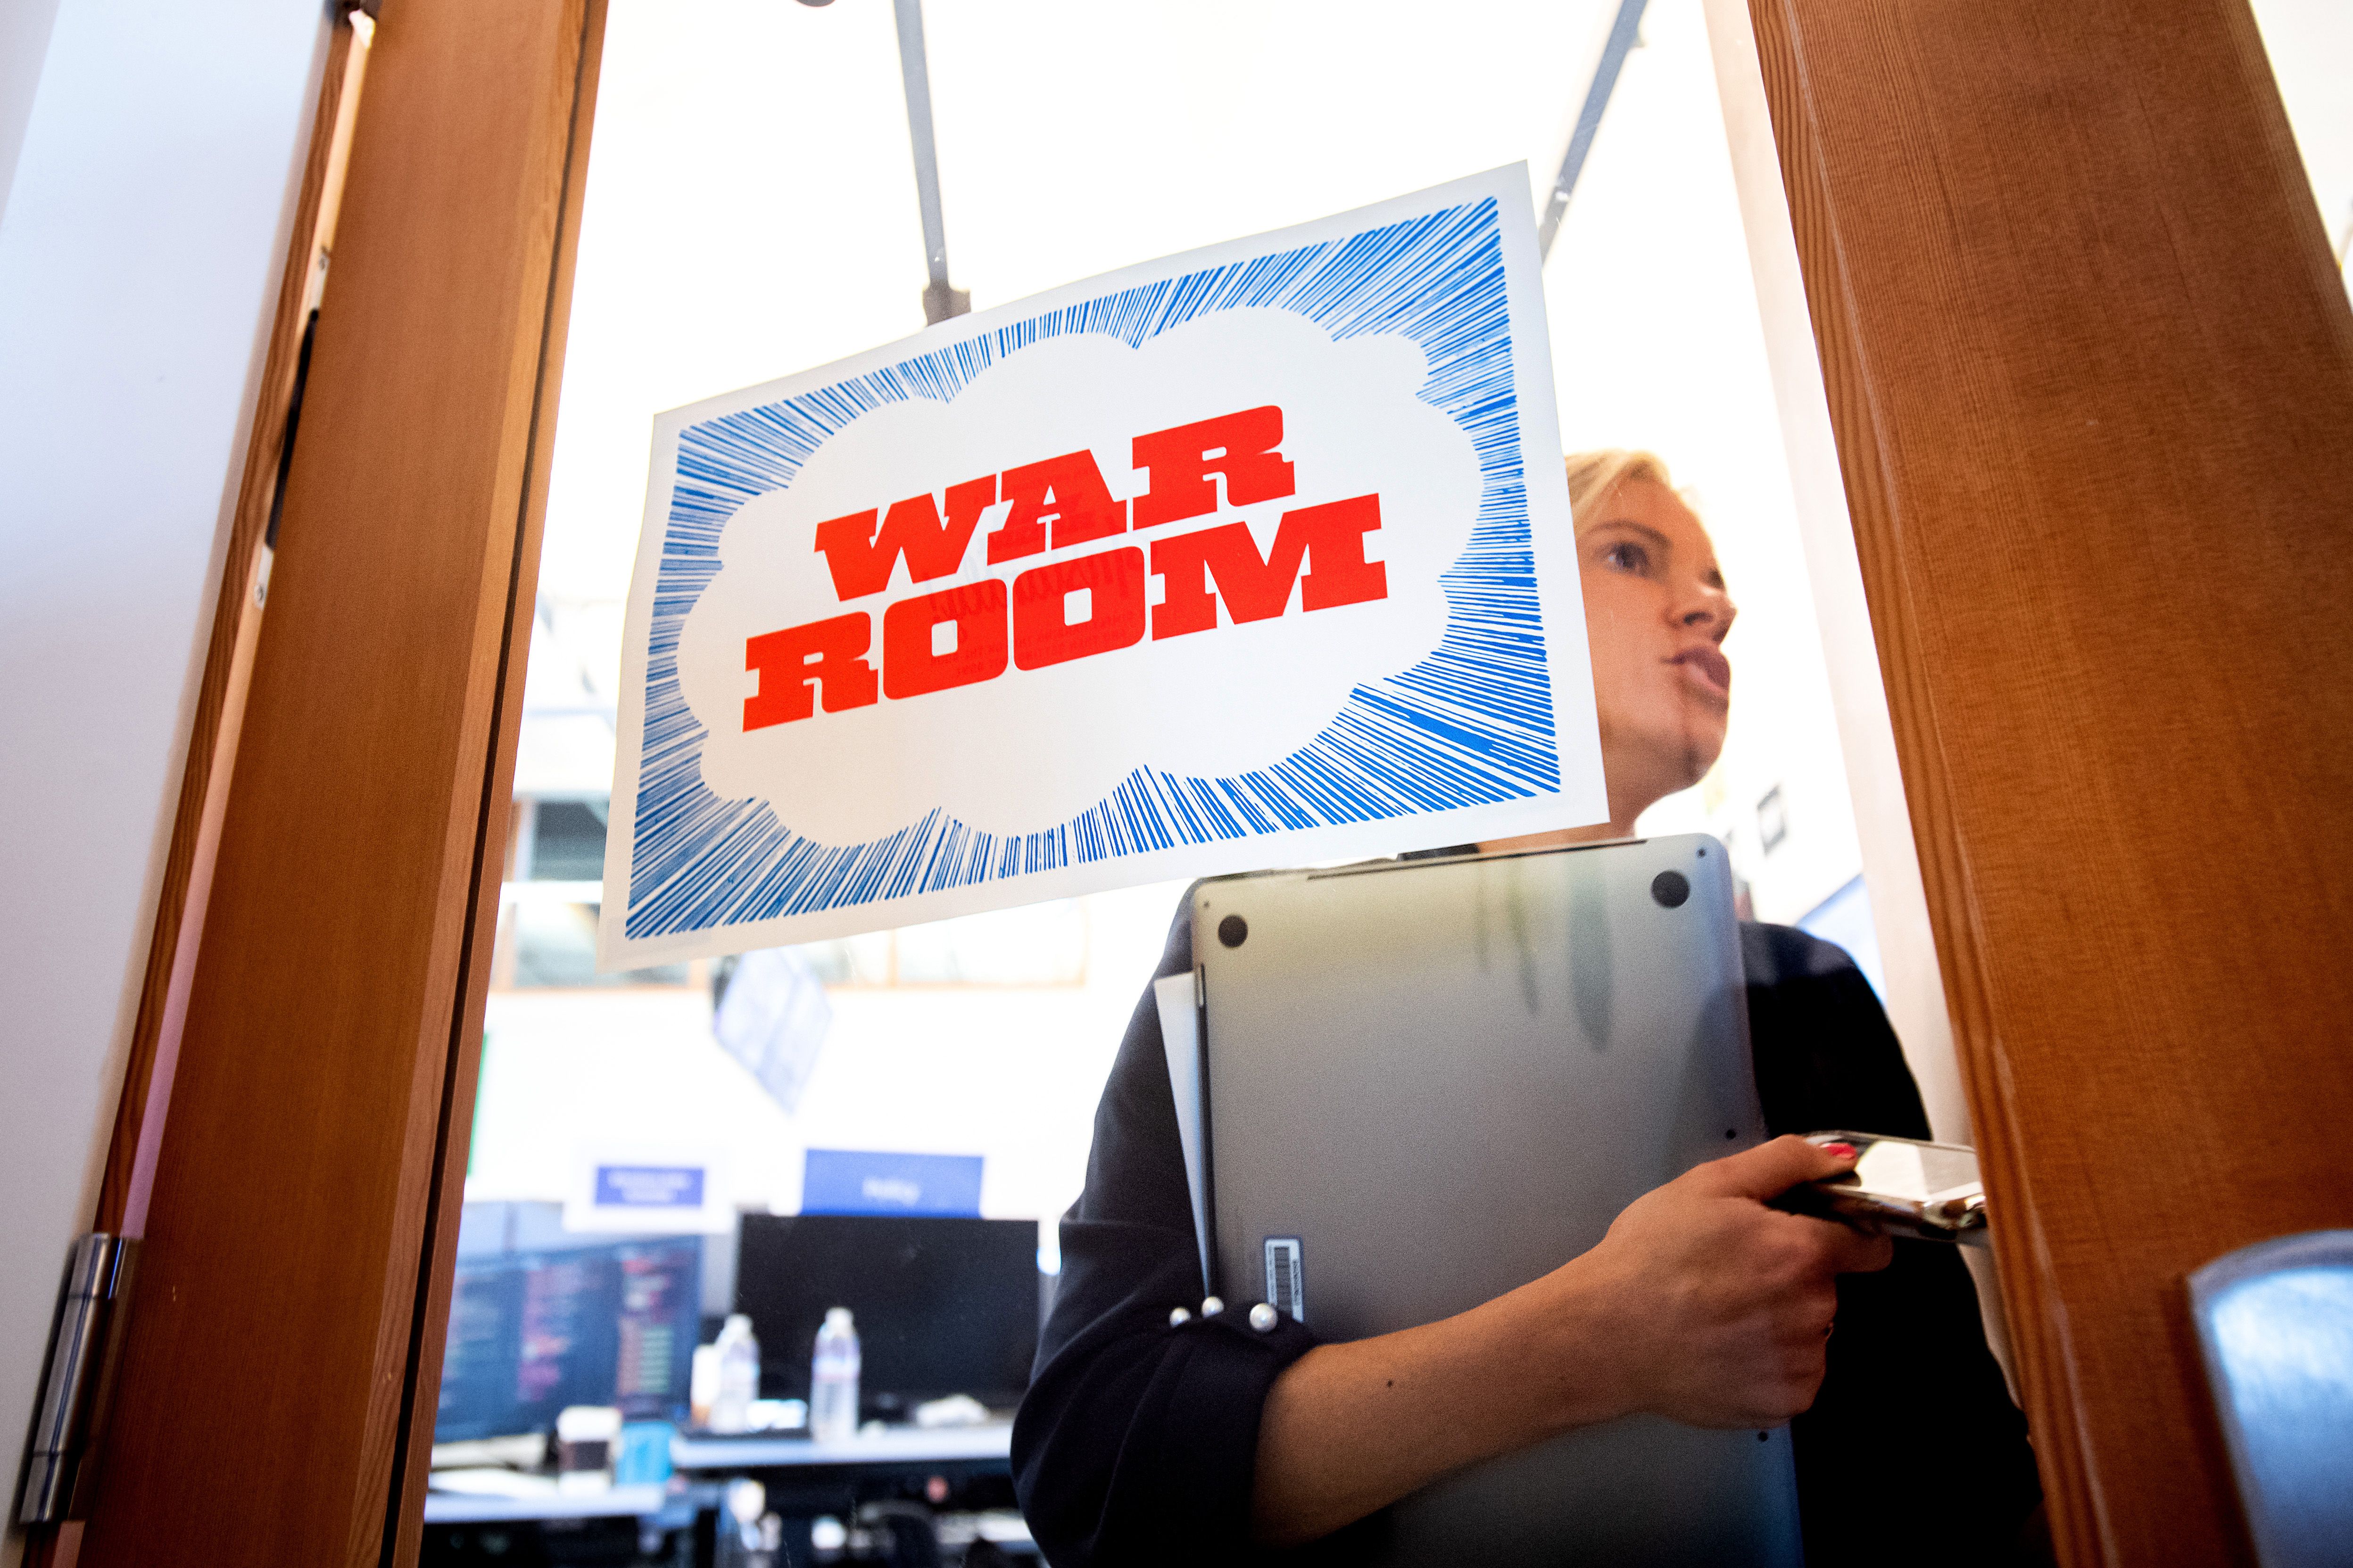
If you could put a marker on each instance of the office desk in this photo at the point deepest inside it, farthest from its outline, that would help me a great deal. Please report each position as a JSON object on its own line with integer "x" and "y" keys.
{"x": 614, "y": 1502}
{"x": 652, "y": 1526}
{"x": 803, "y": 1478}
{"x": 901, "y": 1450}
{"x": 906, "y": 1448}
{"x": 968, "y": 1469}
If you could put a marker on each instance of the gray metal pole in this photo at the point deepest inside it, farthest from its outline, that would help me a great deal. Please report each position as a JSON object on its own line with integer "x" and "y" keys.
{"x": 940, "y": 300}
{"x": 1624, "y": 33}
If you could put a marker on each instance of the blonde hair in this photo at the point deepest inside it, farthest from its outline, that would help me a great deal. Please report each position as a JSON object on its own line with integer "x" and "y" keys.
{"x": 1593, "y": 475}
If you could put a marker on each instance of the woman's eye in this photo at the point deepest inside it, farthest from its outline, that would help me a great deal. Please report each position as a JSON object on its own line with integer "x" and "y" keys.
{"x": 1623, "y": 557}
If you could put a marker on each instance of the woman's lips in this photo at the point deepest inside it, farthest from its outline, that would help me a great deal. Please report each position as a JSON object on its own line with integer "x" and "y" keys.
{"x": 1707, "y": 663}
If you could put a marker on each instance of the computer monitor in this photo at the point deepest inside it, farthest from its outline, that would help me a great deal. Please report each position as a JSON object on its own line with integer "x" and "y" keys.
{"x": 941, "y": 1305}
{"x": 660, "y": 1312}
{"x": 533, "y": 1333}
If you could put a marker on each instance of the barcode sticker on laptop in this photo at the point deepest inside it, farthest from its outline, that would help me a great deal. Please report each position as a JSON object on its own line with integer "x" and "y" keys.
{"x": 1286, "y": 1277}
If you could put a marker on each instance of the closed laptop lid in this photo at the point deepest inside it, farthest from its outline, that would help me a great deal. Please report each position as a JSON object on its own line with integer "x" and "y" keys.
{"x": 1428, "y": 1082}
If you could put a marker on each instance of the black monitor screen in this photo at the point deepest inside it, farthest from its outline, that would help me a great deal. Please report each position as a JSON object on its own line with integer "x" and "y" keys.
{"x": 941, "y": 1305}
{"x": 533, "y": 1333}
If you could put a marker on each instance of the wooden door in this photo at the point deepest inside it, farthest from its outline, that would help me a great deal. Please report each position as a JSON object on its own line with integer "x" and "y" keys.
{"x": 2090, "y": 367}
{"x": 277, "y": 1387}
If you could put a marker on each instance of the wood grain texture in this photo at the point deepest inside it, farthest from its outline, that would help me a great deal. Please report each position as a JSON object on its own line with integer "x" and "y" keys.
{"x": 2091, "y": 372}
{"x": 494, "y": 848}
{"x": 270, "y": 1350}
{"x": 228, "y": 667}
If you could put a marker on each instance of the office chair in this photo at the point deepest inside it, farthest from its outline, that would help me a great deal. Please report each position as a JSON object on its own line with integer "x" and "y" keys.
{"x": 2275, "y": 1322}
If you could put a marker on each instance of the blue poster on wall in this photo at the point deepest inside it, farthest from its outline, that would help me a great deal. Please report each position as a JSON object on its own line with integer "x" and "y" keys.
{"x": 649, "y": 1187}
{"x": 854, "y": 1180}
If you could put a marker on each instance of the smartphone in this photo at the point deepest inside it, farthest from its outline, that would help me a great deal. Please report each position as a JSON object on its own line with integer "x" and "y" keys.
{"x": 1901, "y": 1186}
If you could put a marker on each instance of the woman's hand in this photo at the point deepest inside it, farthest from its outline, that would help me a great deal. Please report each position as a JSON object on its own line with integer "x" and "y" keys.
{"x": 1721, "y": 1305}
{"x": 1701, "y": 1304}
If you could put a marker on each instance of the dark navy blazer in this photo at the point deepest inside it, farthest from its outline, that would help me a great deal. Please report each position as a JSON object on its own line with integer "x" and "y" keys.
{"x": 1137, "y": 1441}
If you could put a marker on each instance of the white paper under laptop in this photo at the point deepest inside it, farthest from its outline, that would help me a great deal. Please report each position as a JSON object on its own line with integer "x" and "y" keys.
{"x": 1180, "y": 1035}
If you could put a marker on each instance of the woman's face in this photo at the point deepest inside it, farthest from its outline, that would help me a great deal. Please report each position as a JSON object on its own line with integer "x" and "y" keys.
{"x": 1655, "y": 612}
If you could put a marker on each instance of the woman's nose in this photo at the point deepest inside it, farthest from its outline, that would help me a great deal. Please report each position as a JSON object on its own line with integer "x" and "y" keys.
{"x": 1704, "y": 606}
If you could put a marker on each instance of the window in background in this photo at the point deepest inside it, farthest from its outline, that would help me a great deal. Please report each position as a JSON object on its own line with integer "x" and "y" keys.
{"x": 710, "y": 259}
{"x": 553, "y": 942}
{"x": 1660, "y": 346}
{"x": 549, "y": 904}
{"x": 554, "y": 890}
{"x": 750, "y": 212}
{"x": 1845, "y": 918}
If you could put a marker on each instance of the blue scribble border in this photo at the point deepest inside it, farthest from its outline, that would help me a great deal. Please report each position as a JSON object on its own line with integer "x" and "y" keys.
{"x": 1471, "y": 724}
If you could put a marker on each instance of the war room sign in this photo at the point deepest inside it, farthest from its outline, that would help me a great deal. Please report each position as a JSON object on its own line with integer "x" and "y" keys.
{"x": 1253, "y": 556}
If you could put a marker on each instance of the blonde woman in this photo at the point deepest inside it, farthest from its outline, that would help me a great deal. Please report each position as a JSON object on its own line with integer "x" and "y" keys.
{"x": 1137, "y": 1445}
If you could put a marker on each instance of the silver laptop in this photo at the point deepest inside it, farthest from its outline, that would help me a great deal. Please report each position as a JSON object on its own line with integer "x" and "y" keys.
{"x": 1427, "y": 1082}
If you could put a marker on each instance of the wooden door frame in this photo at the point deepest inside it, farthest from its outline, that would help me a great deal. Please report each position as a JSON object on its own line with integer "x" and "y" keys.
{"x": 419, "y": 484}
{"x": 194, "y": 852}
{"x": 313, "y": 1015}
{"x": 2089, "y": 366}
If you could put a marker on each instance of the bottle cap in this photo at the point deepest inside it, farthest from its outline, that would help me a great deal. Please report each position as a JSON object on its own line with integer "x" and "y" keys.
{"x": 739, "y": 1320}
{"x": 836, "y": 1317}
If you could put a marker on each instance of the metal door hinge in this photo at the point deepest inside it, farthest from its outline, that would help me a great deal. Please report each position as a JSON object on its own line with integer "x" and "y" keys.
{"x": 79, "y": 1383}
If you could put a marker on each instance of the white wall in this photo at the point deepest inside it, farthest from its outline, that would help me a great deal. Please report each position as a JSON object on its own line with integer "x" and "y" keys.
{"x": 140, "y": 248}
{"x": 1010, "y": 1074}
{"x": 24, "y": 40}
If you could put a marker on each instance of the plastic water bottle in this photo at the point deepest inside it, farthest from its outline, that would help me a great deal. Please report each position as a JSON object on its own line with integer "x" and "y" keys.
{"x": 833, "y": 1379}
{"x": 739, "y": 1376}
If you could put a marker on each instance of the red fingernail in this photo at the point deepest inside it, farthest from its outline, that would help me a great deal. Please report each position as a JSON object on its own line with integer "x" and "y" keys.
{"x": 1839, "y": 1150}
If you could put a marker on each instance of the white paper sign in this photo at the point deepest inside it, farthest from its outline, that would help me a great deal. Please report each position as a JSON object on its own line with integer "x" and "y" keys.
{"x": 1252, "y": 556}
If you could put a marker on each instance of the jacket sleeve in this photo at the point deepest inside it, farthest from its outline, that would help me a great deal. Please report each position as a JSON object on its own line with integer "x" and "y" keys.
{"x": 1911, "y": 1388}
{"x": 1139, "y": 1439}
